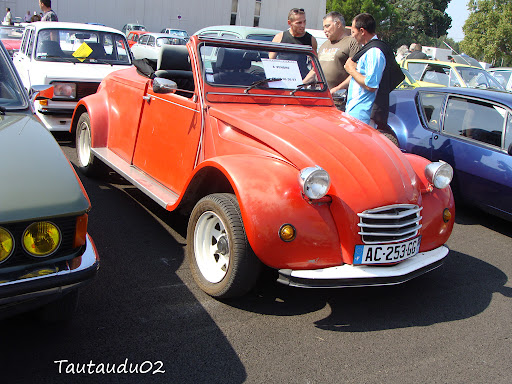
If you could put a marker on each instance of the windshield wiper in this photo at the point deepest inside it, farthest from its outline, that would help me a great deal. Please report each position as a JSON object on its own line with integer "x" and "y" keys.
{"x": 66, "y": 59}
{"x": 93, "y": 60}
{"x": 262, "y": 81}
{"x": 300, "y": 86}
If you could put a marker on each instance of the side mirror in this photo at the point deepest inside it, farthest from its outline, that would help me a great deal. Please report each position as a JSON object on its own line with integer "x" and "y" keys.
{"x": 161, "y": 85}
{"x": 41, "y": 92}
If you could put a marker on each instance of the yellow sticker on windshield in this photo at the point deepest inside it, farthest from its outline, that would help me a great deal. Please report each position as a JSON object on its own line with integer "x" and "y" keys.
{"x": 82, "y": 52}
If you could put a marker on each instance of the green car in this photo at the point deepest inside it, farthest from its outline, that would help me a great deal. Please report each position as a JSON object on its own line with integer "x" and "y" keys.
{"x": 46, "y": 253}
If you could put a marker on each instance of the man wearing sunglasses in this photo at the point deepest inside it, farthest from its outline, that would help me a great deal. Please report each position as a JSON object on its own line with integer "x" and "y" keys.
{"x": 296, "y": 34}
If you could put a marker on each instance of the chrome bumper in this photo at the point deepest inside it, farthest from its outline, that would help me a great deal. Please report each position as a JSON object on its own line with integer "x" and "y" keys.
{"x": 365, "y": 275}
{"x": 58, "y": 283}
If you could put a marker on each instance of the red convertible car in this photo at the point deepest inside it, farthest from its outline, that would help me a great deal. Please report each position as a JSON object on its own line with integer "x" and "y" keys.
{"x": 268, "y": 170}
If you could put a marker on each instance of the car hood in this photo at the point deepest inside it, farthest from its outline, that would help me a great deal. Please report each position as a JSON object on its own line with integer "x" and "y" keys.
{"x": 37, "y": 179}
{"x": 366, "y": 169}
{"x": 70, "y": 72}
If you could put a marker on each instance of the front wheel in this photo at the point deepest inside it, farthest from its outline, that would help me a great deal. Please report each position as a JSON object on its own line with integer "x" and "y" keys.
{"x": 220, "y": 257}
{"x": 88, "y": 164}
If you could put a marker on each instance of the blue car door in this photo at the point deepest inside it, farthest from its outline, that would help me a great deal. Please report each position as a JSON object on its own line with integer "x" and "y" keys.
{"x": 473, "y": 139}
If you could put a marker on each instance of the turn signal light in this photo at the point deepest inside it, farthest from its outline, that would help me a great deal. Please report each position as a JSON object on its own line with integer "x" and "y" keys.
{"x": 287, "y": 232}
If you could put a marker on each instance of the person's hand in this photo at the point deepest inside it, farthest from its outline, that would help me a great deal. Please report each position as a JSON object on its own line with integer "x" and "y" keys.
{"x": 350, "y": 66}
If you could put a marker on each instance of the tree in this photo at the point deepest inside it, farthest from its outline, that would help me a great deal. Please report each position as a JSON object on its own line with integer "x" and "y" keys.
{"x": 488, "y": 31}
{"x": 400, "y": 21}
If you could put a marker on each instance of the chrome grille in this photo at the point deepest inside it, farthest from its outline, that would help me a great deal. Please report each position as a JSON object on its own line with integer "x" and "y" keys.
{"x": 389, "y": 224}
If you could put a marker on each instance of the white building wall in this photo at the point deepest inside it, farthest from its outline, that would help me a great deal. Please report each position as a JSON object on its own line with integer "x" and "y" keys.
{"x": 158, "y": 14}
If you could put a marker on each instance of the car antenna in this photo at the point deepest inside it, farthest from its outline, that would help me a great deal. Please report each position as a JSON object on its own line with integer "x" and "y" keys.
{"x": 457, "y": 53}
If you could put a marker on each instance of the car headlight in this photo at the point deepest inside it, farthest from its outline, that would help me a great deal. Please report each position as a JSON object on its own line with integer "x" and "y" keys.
{"x": 6, "y": 244}
{"x": 41, "y": 239}
{"x": 439, "y": 173}
{"x": 65, "y": 91}
{"x": 315, "y": 182}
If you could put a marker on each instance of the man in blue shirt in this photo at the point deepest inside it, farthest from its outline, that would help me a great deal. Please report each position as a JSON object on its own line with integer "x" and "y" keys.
{"x": 366, "y": 72}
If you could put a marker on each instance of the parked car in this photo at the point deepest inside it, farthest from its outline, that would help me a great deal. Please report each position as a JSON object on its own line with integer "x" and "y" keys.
{"x": 450, "y": 74}
{"x": 266, "y": 167}
{"x": 471, "y": 129}
{"x": 176, "y": 32}
{"x": 11, "y": 38}
{"x": 503, "y": 75}
{"x": 72, "y": 57}
{"x": 133, "y": 37}
{"x": 45, "y": 251}
{"x": 133, "y": 27}
{"x": 150, "y": 44}
{"x": 410, "y": 82}
{"x": 238, "y": 32}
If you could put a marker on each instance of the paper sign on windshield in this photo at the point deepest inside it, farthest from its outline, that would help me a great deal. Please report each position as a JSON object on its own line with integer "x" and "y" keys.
{"x": 288, "y": 70}
{"x": 82, "y": 52}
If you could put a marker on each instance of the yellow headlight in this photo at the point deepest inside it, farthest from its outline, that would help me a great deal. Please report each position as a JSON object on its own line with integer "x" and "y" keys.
{"x": 41, "y": 239}
{"x": 6, "y": 244}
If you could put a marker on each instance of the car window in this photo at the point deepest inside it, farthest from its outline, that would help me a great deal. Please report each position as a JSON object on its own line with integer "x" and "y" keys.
{"x": 24, "y": 43}
{"x": 475, "y": 119}
{"x": 478, "y": 78}
{"x": 151, "y": 41}
{"x": 431, "y": 106}
{"x": 11, "y": 92}
{"x": 260, "y": 37}
{"x": 508, "y": 134}
{"x": 144, "y": 39}
{"x": 437, "y": 74}
{"x": 80, "y": 46}
{"x": 502, "y": 77}
{"x": 453, "y": 79}
{"x": 416, "y": 69}
{"x": 226, "y": 66}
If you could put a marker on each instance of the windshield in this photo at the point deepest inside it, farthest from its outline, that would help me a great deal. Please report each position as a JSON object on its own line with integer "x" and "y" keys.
{"x": 14, "y": 33}
{"x": 11, "y": 93}
{"x": 170, "y": 41}
{"x": 478, "y": 78}
{"x": 138, "y": 28}
{"x": 178, "y": 32}
{"x": 69, "y": 45}
{"x": 225, "y": 66}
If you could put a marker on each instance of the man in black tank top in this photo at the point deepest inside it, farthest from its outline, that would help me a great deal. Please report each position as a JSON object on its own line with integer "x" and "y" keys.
{"x": 296, "y": 34}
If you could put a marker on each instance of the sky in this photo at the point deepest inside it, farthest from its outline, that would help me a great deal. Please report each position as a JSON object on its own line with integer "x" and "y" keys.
{"x": 458, "y": 11}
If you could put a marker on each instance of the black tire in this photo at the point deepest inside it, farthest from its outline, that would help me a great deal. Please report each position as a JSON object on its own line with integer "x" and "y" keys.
{"x": 61, "y": 310}
{"x": 391, "y": 137}
{"x": 87, "y": 163}
{"x": 220, "y": 257}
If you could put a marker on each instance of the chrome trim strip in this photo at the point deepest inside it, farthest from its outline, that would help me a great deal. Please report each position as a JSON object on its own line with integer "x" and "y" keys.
{"x": 173, "y": 103}
{"x": 399, "y": 225}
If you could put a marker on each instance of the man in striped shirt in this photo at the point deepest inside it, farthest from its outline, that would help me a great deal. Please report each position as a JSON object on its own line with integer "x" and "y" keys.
{"x": 366, "y": 72}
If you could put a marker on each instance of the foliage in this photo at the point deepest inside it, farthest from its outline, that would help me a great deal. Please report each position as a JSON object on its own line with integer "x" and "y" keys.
{"x": 400, "y": 21}
{"x": 488, "y": 31}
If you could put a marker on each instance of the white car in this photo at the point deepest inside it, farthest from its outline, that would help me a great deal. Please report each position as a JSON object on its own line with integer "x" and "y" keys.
{"x": 149, "y": 45}
{"x": 72, "y": 57}
{"x": 503, "y": 75}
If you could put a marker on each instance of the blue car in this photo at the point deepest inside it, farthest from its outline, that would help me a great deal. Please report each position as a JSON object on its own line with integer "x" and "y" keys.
{"x": 471, "y": 129}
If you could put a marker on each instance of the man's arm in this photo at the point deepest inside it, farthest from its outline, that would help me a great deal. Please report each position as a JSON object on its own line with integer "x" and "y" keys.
{"x": 351, "y": 68}
{"x": 277, "y": 39}
{"x": 314, "y": 44}
{"x": 343, "y": 85}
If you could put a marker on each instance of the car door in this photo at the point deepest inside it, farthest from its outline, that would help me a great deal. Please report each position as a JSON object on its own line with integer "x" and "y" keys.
{"x": 22, "y": 58}
{"x": 168, "y": 138}
{"x": 475, "y": 139}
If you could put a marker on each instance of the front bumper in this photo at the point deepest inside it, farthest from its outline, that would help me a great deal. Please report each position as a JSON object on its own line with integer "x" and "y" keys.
{"x": 59, "y": 122}
{"x": 365, "y": 275}
{"x": 28, "y": 293}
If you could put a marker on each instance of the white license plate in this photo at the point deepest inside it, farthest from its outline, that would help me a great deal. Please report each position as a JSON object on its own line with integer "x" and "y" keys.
{"x": 386, "y": 253}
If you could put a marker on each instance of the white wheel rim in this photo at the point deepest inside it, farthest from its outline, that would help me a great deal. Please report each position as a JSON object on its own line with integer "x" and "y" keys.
{"x": 84, "y": 144}
{"x": 211, "y": 247}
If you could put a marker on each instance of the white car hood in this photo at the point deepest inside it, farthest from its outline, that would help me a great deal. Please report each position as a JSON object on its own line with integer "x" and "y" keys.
{"x": 45, "y": 72}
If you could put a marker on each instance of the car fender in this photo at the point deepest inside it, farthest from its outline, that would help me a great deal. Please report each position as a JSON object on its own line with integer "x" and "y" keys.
{"x": 97, "y": 107}
{"x": 435, "y": 230}
{"x": 269, "y": 196}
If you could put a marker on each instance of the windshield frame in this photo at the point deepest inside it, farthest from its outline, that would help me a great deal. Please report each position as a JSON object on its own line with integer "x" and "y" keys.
{"x": 256, "y": 45}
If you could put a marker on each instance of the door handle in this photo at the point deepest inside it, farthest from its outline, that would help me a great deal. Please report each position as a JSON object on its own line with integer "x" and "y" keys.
{"x": 147, "y": 98}
{"x": 436, "y": 137}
